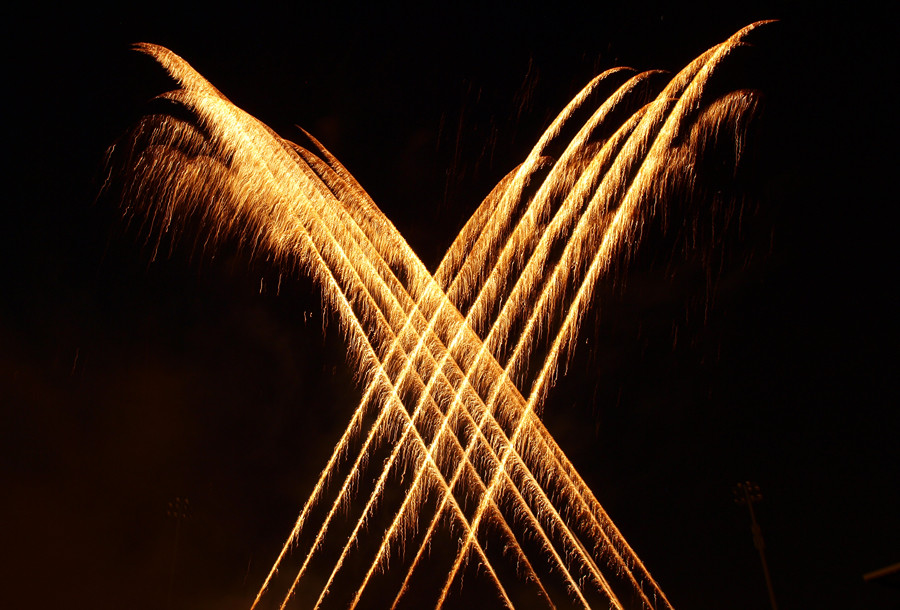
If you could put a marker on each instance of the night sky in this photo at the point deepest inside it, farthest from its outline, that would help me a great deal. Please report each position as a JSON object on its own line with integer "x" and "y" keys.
{"x": 127, "y": 380}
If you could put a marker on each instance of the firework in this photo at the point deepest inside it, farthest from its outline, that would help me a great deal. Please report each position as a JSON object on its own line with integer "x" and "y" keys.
{"x": 445, "y": 358}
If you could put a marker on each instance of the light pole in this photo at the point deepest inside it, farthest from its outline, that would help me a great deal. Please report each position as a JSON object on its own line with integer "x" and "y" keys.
{"x": 748, "y": 493}
{"x": 179, "y": 509}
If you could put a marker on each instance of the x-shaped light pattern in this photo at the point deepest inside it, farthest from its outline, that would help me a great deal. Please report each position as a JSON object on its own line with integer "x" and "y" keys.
{"x": 444, "y": 357}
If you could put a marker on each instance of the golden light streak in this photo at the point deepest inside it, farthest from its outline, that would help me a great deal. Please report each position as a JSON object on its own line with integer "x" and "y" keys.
{"x": 407, "y": 429}
{"x": 526, "y": 227}
{"x": 517, "y": 185}
{"x": 341, "y": 302}
{"x": 389, "y": 463}
{"x": 524, "y": 268}
{"x": 347, "y": 484}
{"x": 514, "y": 245}
{"x": 613, "y": 237}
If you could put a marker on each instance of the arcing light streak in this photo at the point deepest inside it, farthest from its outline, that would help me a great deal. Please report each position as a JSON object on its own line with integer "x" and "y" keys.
{"x": 394, "y": 455}
{"x": 242, "y": 128}
{"x": 458, "y": 470}
{"x": 512, "y": 244}
{"x": 663, "y": 96}
{"x": 411, "y": 497}
{"x": 528, "y": 255}
{"x": 614, "y": 236}
{"x": 409, "y": 427}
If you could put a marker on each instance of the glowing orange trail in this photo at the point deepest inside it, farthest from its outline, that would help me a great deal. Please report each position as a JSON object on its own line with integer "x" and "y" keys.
{"x": 401, "y": 440}
{"x": 344, "y": 303}
{"x": 408, "y": 497}
{"x": 351, "y": 429}
{"x": 451, "y": 482}
{"x": 451, "y": 413}
{"x": 573, "y": 148}
{"x": 396, "y": 401}
{"x": 501, "y": 316}
{"x": 409, "y": 428}
{"x": 317, "y": 539}
{"x": 424, "y": 364}
{"x": 528, "y": 228}
{"x": 458, "y": 471}
{"x": 375, "y": 493}
{"x": 399, "y": 444}
{"x": 562, "y": 218}
{"x": 614, "y": 237}
{"x": 382, "y": 547}
{"x": 340, "y": 302}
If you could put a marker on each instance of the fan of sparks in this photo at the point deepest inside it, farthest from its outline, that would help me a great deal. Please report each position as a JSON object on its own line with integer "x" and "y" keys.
{"x": 445, "y": 467}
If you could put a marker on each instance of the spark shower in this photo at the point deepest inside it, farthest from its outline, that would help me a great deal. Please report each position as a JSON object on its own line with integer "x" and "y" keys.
{"x": 445, "y": 468}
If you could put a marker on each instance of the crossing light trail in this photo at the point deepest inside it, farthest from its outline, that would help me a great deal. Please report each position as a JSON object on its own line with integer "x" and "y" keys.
{"x": 443, "y": 356}
{"x": 614, "y": 234}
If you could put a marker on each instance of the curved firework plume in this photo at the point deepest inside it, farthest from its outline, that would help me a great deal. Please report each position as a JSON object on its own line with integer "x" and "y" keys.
{"x": 457, "y": 364}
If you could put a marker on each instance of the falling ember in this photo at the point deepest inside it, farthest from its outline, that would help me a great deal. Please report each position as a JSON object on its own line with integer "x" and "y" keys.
{"x": 454, "y": 363}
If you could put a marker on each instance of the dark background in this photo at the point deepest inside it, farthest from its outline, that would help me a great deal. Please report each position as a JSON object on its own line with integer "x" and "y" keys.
{"x": 126, "y": 382}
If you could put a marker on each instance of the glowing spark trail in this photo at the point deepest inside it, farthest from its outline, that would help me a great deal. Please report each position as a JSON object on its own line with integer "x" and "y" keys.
{"x": 612, "y": 238}
{"x": 444, "y": 356}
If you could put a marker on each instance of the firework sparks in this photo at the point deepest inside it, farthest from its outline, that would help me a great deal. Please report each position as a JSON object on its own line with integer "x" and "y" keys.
{"x": 444, "y": 356}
